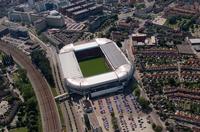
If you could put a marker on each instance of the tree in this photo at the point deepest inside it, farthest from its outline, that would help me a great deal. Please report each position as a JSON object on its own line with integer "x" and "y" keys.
{"x": 172, "y": 82}
{"x": 10, "y": 99}
{"x": 22, "y": 73}
{"x": 31, "y": 103}
{"x": 114, "y": 121}
{"x": 7, "y": 60}
{"x": 173, "y": 20}
{"x": 137, "y": 92}
{"x": 27, "y": 91}
{"x": 39, "y": 58}
{"x": 158, "y": 129}
{"x": 153, "y": 125}
{"x": 112, "y": 114}
{"x": 143, "y": 102}
{"x": 115, "y": 17}
{"x": 170, "y": 106}
{"x": 185, "y": 27}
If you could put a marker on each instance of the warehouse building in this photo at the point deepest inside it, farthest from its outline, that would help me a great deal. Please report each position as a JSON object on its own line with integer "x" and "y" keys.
{"x": 82, "y": 10}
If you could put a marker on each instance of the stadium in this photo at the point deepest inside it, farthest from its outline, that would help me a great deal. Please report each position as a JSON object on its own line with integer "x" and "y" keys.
{"x": 94, "y": 68}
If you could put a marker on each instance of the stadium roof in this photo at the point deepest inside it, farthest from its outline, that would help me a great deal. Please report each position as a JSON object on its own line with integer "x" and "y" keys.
{"x": 71, "y": 70}
{"x": 116, "y": 56}
{"x": 85, "y": 46}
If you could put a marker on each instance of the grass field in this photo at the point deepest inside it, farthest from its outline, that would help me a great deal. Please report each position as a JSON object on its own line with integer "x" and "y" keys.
{"x": 94, "y": 66}
{"x": 21, "y": 129}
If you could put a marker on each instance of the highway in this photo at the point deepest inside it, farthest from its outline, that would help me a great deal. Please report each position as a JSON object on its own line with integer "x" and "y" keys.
{"x": 49, "y": 113}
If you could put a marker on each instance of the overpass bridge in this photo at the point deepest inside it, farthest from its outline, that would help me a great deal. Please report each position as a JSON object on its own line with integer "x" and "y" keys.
{"x": 62, "y": 97}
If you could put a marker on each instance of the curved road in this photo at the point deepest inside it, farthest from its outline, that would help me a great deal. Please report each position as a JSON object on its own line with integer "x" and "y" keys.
{"x": 46, "y": 102}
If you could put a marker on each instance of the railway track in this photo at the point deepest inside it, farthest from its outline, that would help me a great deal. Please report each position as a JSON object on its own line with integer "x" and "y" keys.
{"x": 65, "y": 107}
{"x": 47, "y": 105}
{"x": 71, "y": 124}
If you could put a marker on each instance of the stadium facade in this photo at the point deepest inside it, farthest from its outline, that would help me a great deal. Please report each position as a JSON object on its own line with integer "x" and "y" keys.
{"x": 97, "y": 85}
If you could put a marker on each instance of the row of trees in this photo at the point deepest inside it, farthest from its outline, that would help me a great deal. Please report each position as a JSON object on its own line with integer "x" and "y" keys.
{"x": 144, "y": 103}
{"x": 141, "y": 100}
{"x": 114, "y": 122}
{"x": 39, "y": 58}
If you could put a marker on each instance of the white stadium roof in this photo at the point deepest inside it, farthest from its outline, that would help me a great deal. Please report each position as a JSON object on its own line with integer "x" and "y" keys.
{"x": 72, "y": 70}
{"x": 73, "y": 75}
{"x": 115, "y": 56}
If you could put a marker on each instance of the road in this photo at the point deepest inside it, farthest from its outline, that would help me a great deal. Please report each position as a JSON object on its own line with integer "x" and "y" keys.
{"x": 49, "y": 113}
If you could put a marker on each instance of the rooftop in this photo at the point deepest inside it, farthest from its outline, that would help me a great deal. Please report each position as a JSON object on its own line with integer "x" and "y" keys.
{"x": 139, "y": 35}
{"x": 184, "y": 49}
{"x": 196, "y": 47}
{"x": 80, "y": 11}
{"x": 2, "y": 28}
{"x": 113, "y": 54}
{"x": 55, "y": 17}
{"x": 194, "y": 41}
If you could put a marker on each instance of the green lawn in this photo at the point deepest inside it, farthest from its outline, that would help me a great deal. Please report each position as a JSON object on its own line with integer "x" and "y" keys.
{"x": 94, "y": 66}
{"x": 21, "y": 129}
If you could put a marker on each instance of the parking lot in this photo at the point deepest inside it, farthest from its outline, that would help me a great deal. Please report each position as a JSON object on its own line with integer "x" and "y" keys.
{"x": 127, "y": 111}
